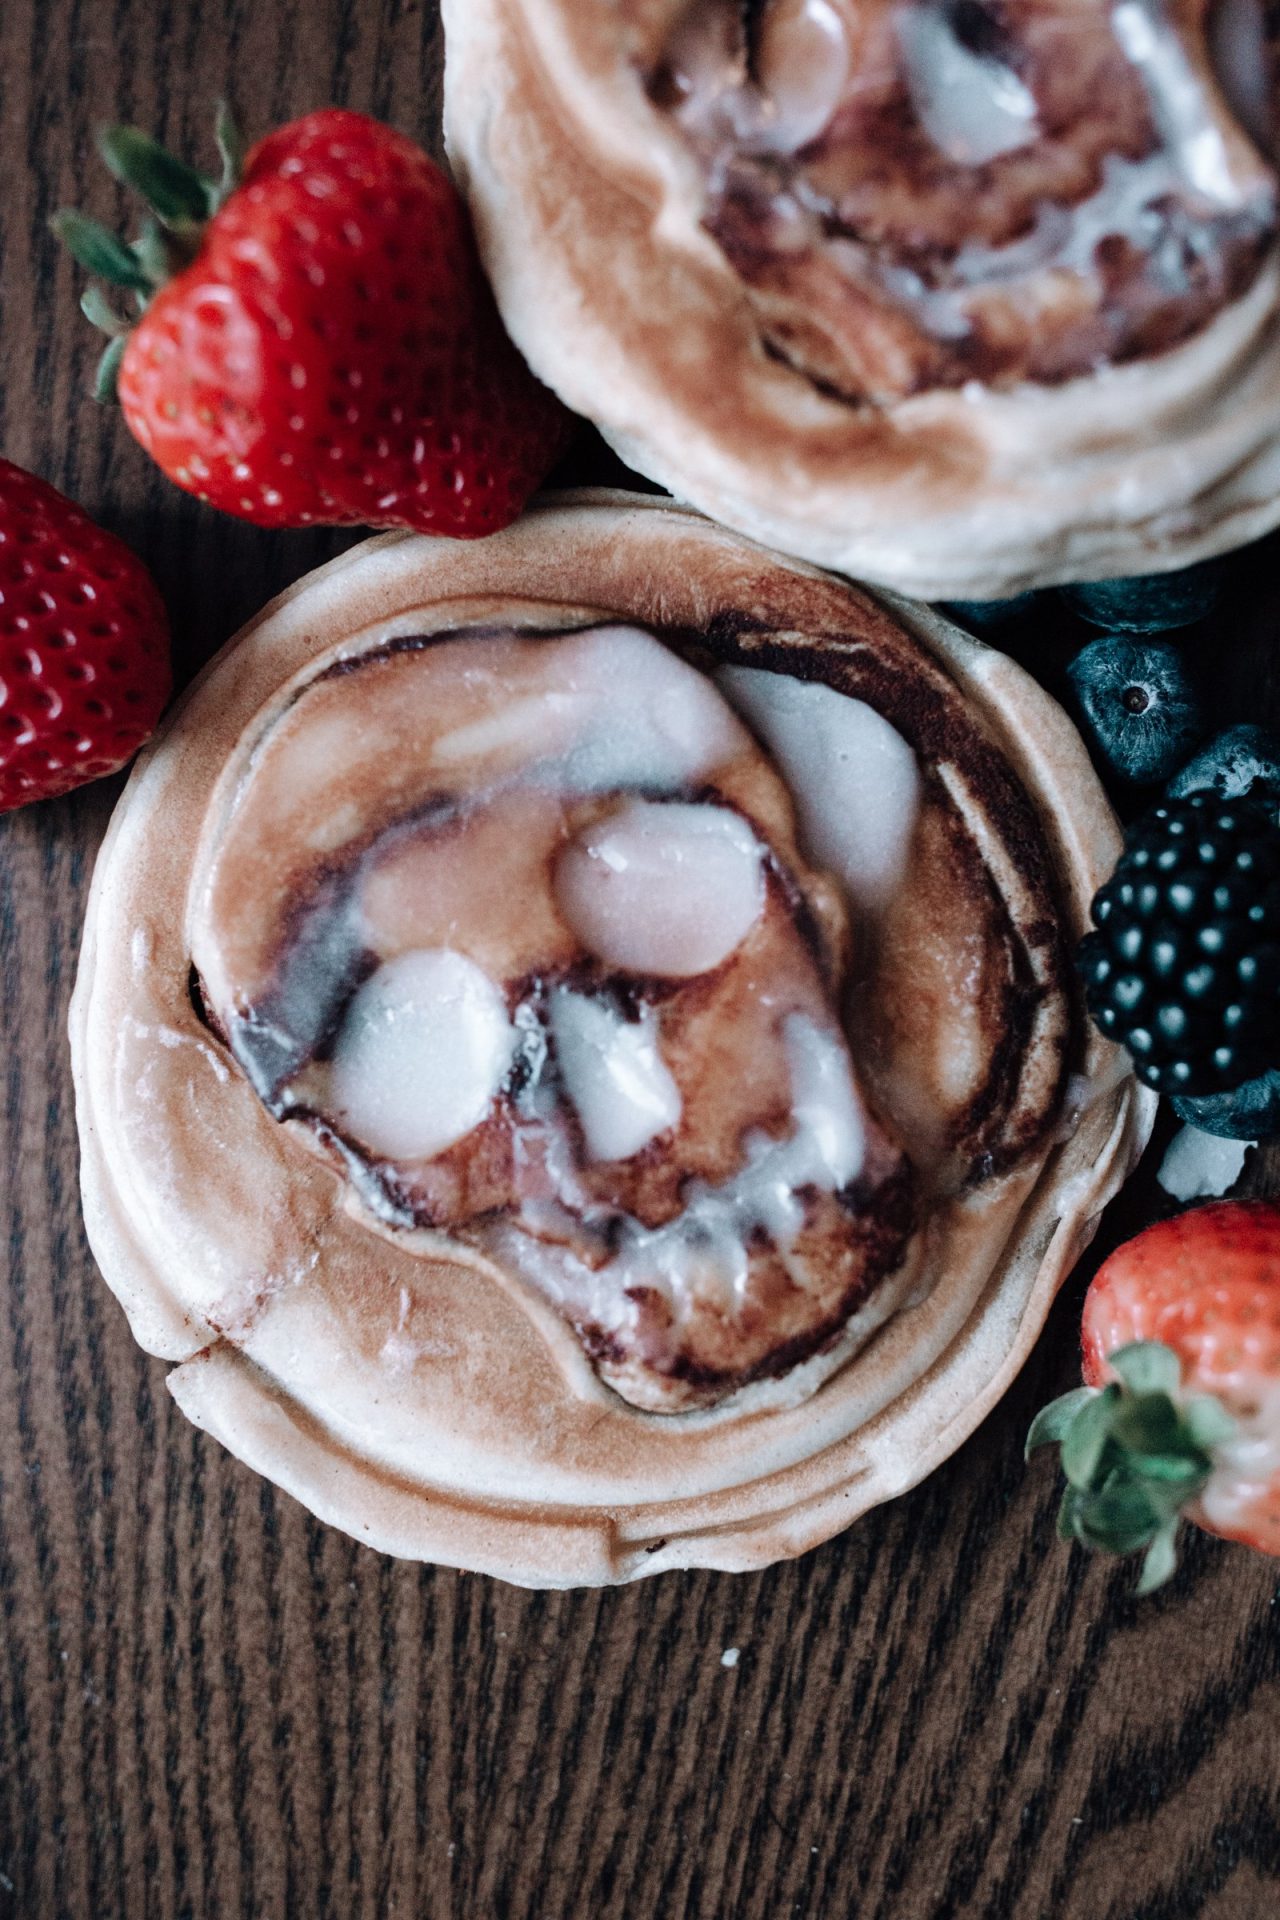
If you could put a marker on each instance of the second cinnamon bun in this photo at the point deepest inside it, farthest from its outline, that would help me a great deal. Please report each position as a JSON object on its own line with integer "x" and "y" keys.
{"x": 958, "y": 297}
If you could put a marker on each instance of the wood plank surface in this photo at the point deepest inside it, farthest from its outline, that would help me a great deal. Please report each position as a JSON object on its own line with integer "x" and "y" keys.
{"x": 213, "y": 1706}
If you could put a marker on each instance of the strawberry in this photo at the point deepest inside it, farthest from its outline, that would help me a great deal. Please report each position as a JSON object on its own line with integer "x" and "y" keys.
{"x": 327, "y": 349}
{"x": 84, "y": 644}
{"x": 1181, "y": 1408}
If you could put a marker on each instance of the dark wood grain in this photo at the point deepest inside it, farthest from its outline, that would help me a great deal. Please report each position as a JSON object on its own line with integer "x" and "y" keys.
{"x": 212, "y": 1706}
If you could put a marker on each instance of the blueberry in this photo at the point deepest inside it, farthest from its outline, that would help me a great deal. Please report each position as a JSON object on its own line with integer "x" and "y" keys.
{"x": 988, "y": 616}
{"x": 1250, "y": 1112}
{"x": 1235, "y": 761}
{"x": 1139, "y": 705}
{"x": 1150, "y": 603}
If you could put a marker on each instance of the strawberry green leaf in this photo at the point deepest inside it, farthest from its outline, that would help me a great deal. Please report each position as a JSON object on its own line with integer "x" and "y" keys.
{"x": 1067, "y": 1513}
{"x": 1148, "y": 1423}
{"x": 231, "y": 151}
{"x": 176, "y": 193}
{"x": 1121, "y": 1517}
{"x": 1051, "y": 1423}
{"x": 1207, "y": 1421}
{"x": 104, "y": 385}
{"x": 1147, "y": 1366}
{"x": 1086, "y": 1437}
{"x": 1188, "y": 1471}
{"x": 163, "y": 251}
{"x": 96, "y": 307}
{"x": 1161, "y": 1559}
{"x": 100, "y": 251}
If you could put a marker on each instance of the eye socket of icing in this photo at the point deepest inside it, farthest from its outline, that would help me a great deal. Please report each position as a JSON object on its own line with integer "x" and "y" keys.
{"x": 620, "y": 1086}
{"x": 668, "y": 890}
{"x": 425, "y": 1046}
{"x": 854, "y": 779}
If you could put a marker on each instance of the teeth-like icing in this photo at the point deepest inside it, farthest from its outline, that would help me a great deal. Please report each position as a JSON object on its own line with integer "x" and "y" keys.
{"x": 852, "y": 776}
{"x": 708, "y": 1245}
{"x": 668, "y": 889}
{"x": 423, "y": 1048}
{"x": 613, "y": 1073}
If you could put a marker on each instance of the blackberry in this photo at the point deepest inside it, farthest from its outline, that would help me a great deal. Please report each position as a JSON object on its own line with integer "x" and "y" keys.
{"x": 1184, "y": 969}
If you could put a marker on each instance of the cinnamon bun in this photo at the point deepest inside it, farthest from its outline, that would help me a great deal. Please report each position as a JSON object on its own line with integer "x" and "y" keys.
{"x": 577, "y": 1055}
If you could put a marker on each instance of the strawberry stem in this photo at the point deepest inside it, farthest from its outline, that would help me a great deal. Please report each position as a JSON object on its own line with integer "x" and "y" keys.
{"x": 179, "y": 200}
{"x": 1135, "y": 1456}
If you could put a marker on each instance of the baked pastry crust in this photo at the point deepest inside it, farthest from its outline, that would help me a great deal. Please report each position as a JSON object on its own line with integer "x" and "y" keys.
{"x": 400, "y": 1384}
{"x": 593, "y": 214}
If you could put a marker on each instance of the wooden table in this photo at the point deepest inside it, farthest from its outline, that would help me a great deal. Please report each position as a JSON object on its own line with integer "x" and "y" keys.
{"x": 213, "y": 1706}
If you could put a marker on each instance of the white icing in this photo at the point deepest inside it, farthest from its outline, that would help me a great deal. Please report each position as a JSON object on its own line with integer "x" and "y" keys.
{"x": 511, "y": 724}
{"x": 613, "y": 1073}
{"x": 972, "y": 107}
{"x": 662, "y": 888}
{"x": 1178, "y": 99}
{"x": 854, "y": 779}
{"x": 1246, "y": 1466}
{"x": 709, "y": 1243}
{"x": 576, "y": 734}
{"x": 1061, "y": 240}
{"x": 804, "y": 63}
{"x": 829, "y": 1143}
{"x": 648, "y": 719}
{"x": 424, "y": 1047}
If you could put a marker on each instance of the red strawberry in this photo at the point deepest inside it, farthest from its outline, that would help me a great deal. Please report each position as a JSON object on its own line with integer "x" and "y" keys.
{"x": 84, "y": 644}
{"x": 1181, "y": 1412}
{"x": 328, "y": 350}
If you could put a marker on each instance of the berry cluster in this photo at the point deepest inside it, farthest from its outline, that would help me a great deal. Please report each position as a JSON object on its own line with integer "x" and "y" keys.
{"x": 1184, "y": 968}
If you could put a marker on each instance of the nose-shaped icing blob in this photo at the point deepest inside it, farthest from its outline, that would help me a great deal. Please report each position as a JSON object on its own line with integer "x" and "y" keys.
{"x": 613, "y": 1073}
{"x": 423, "y": 1049}
{"x": 852, "y": 776}
{"x": 666, "y": 890}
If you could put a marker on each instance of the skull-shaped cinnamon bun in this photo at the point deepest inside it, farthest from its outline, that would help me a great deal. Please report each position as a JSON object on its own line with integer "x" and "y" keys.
{"x": 959, "y": 295}
{"x": 573, "y": 1031}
